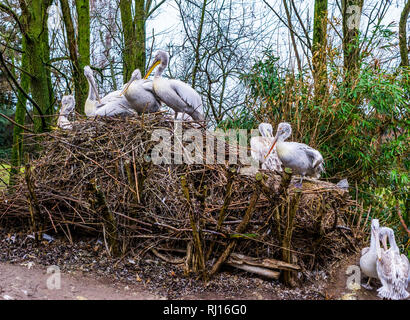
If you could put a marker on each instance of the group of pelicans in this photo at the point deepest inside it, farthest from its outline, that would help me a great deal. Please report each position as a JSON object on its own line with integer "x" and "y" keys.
{"x": 141, "y": 95}
{"x": 138, "y": 96}
{"x": 273, "y": 152}
{"x": 385, "y": 264}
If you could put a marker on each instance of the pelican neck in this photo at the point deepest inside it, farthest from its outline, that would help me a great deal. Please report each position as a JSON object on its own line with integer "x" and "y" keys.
{"x": 91, "y": 94}
{"x": 373, "y": 242}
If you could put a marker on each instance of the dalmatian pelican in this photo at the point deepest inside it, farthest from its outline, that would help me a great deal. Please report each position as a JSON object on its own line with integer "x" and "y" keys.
{"x": 393, "y": 269}
{"x": 368, "y": 259}
{"x": 301, "y": 158}
{"x": 67, "y": 106}
{"x": 175, "y": 93}
{"x": 93, "y": 96}
{"x": 111, "y": 105}
{"x": 260, "y": 147}
{"x": 140, "y": 94}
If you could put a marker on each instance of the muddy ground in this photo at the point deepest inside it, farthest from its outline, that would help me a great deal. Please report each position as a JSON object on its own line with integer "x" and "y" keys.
{"x": 87, "y": 272}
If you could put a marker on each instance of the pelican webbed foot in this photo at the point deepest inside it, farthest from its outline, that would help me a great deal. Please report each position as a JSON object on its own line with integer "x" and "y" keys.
{"x": 367, "y": 285}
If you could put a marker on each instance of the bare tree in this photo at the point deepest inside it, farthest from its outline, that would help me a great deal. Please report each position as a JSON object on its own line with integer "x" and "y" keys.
{"x": 221, "y": 38}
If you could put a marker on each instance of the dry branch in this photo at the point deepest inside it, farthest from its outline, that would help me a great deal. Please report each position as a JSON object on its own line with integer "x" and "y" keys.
{"x": 195, "y": 208}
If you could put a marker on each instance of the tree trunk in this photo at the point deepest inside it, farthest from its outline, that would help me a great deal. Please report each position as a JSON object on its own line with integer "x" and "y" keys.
{"x": 319, "y": 49}
{"x": 79, "y": 48}
{"x": 35, "y": 30}
{"x": 83, "y": 42}
{"x": 17, "y": 151}
{"x": 198, "y": 43}
{"x": 129, "y": 54}
{"x": 404, "y": 52}
{"x": 139, "y": 21}
{"x": 351, "y": 12}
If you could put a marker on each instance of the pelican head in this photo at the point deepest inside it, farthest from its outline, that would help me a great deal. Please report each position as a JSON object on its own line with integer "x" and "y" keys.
{"x": 266, "y": 130}
{"x": 161, "y": 57}
{"x": 88, "y": 73}
{"x": 136, "y": 75}
{"x": 67, "y": 105}
{"x": 284, "y": 131}
{"x": 385, "y": 233}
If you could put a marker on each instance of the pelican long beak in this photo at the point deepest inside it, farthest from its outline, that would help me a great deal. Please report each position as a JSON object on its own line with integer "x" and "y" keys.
{"x": 377, "y": 239}
{"x": 273, "y": 145}
{"x": 94, "y": 87}
{"x": 153, "y": 66}
{"x": 126, "y": 87}
{"x": 384, "y": 240}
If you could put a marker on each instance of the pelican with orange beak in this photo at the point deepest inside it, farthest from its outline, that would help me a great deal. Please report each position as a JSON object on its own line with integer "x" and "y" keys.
{"x": 175, "y": 93}
{"x": 299, "y": 157}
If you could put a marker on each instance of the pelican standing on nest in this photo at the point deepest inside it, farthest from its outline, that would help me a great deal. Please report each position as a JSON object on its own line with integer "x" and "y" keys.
{"x": 301, "y": 158}
{"x": 175, "y": 93}
{"x": 369, "y": 255}
{"x": 67, "y": 107}
{"x": 111, "y": 105}
{"x": 260, "y": 147}
{"x": 392, "y": 268}
{"x": 140, "y": 94}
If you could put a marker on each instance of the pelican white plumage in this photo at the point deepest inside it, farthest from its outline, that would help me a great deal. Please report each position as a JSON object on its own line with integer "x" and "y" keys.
{"x": 369, "y": 255}
{"x": 175, "y": 93}
{"x": 301, "y": 158}
{"x": 140, "y": 94}
{"x": 111, "y": 105}
{"x": 67, "y": 107}
{"x": 93, "y": 96}
{"x": 260, "y": 147}
{"x": 393, "y": 269}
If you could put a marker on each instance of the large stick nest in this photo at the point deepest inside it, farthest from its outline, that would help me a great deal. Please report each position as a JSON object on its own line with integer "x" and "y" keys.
{"x": 101, "y": 166}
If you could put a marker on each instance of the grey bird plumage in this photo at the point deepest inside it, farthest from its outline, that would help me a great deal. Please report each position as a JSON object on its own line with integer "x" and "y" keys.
{"x": 302, "y": 159}
{"x": 111, "y": 105}
{"x": 369, "y": 255}
{"x": 140, "y": 94}
{"x": 260, "y": 147}
{"x": 393, "y": 268}
{"x": 67, "y": 107}
{"x": 175, "y": 93}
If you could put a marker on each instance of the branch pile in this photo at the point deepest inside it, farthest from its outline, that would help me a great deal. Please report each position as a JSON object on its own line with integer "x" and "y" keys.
{"x": 98, "y": 179}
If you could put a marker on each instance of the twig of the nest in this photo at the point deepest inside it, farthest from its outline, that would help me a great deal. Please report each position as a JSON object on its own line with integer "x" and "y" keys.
{"x": 96, "y": 179}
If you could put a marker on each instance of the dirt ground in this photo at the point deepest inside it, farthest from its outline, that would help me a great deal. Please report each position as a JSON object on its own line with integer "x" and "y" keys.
{"x": 87, "y": 273}
{"x": 29, "y": 282}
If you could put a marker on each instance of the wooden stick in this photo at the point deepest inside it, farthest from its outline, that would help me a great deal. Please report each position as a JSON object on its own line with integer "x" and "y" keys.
{"x": 240, "y": 228}
{"x": 292, "y": 208}
{"x": 35, "y": 212}
{"x": 263, "y": 262}
{"x": 166, "y": 259}
{"x": 196, "y": 236}
{"x": 225, "y": 205}
{"x": 136, "y": 177}
{"x": 254, "y": 269}
{"x": 401, "y": 219}
{"x": 110, "y": 224}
